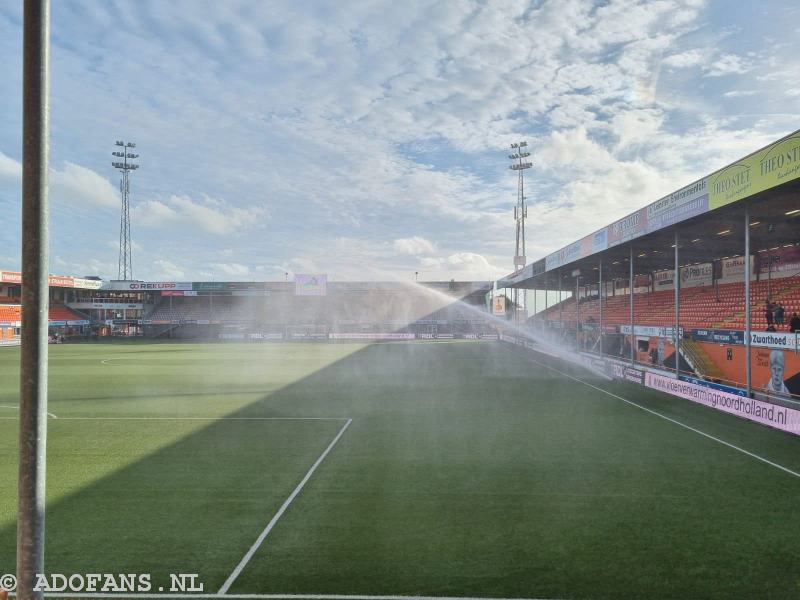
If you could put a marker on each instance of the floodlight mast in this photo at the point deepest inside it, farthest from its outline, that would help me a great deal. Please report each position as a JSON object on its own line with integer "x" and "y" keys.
{"x": 520, "y": 210}
{"x": 125, "y": 166}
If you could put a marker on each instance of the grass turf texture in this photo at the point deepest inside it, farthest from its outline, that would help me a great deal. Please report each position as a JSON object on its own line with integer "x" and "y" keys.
{"x": 468, "y": 470}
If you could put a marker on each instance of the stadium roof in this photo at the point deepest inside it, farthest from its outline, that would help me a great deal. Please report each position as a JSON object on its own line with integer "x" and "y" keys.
{"x": 708, "y": 215}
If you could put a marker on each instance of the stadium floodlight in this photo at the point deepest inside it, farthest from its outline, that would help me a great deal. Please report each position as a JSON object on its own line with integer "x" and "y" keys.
{"x": 125, "y": 166}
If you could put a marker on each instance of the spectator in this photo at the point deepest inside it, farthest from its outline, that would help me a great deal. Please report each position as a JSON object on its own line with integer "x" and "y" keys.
{"x": 768, "y": 314}
{"x": 794, "y": 323}
{"x": 779, "y": 310}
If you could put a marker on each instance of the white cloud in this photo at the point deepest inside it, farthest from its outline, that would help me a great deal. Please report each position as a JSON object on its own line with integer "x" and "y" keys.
{"x": 73, "y": 184}
{"x": 413, "y": 246}
{"x": 728, "y": 64}
{"x": 684, "y": 60}
{"x": 208, "y": 215}
{"x": 76, "y": 184}
{"x": 740, "y": 93}
{"x": 166, "y": 270}
{"x": 10, "y": 169}
{"x": 231, "y": 269}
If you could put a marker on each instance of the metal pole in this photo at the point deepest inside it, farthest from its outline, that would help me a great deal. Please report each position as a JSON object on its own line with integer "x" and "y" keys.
{"x": 630, "y": 291}
{"x": 747, "y": 311}
{"x": 577, "y": 314}
{"x": 677, "y": 285}
{"x": 600, "y": 300}
{"x": 560, "y": 306}
{"x": 35, "y": 269}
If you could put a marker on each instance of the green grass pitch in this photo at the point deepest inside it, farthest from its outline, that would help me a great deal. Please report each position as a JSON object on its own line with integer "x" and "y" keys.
{"x": 467, "y": 470}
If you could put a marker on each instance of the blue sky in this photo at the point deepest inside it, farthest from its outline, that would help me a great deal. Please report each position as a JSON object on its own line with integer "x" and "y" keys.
{"x": 361, "y": 138}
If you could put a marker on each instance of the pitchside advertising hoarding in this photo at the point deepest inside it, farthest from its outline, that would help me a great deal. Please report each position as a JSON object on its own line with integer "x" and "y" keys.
{"x": 780, "y": 417}
{"x": 310, "y": 285}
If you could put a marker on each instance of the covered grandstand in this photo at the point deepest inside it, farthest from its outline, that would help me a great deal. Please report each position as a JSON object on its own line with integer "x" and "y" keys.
{"x": 733, "y": 238}
{"x": 254, "y": 310}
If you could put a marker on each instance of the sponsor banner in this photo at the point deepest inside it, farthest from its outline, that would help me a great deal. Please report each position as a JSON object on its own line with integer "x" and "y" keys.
{"x": 715, "y": 386}
{"x": 779, "y": 417}
{"x": 209, "y": 286}
{"x": 664, "y": 280}
{"x": 372, "y": 336}
{"x": 499, "y": 306}
{"x": 762, "y": 170}
{"x": 147, "y": 286}
{"x": 596, "y": 242}
{"x": 11, "y": 323}
{"x": 172, "y": 293}
{"x": 310, "y": 285}
{"x": 106, "y": 305}
{"x": 57, "y": 323}
{"x": 628, "y": 228}
{"x": 564, "y": 256}
{"x": 86, "y": 284}
{"x": 732, "y": 269}
{"x": 489, "y": 336}
{"x": 696, "y": 275}
{"x": 683, "y": 204}
{"x": 777, "y": 339}
{"x": 785, "y": 262}
{"x": 81, "y": 322}
{"x": 624, "y": 371}
{"x": 718, "y": 336}
{"x": 53, "y": 280}
{"x": 650, "y": 331}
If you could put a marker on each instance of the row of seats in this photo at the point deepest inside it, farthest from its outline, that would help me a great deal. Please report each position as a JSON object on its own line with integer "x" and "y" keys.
{"x": 13, "y": 313}
{"x": 720, "y": 306}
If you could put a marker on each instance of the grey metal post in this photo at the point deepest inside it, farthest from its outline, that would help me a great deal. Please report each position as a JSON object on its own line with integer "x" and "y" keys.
{"x": 633, "y": 327}
{"x": 747, "y": 308}
{"x": 35, "y": 269}
{"x": 577, "y": 314}
{"x": 677, "y": 285}
{"x": 534, "y": 308}
{"x": 600, "y": 300}
{"x": 560, "y": 306}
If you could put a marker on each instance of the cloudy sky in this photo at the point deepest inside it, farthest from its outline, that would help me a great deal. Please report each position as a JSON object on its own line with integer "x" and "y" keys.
{"x": 364, "y": 137}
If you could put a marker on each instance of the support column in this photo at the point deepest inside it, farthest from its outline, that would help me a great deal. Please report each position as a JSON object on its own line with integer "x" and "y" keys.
{"x": 35, "y": 269}
{"x": 600, "y": 300}
{"x": 630, "y": 292}
{"x": 677, "y": 285}
{"x": 560, "y": 306}
{"x": 577, "y": 314}
{"x": 747, "y": 308}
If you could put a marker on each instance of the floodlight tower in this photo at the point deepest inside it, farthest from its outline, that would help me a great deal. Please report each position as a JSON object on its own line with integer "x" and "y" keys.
{"x": 125, "y": 166}
{"x": 519, "y": 164}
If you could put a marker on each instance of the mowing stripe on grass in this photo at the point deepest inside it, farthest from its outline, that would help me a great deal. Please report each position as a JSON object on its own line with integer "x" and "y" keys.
{"x": 246, "y": 558}
{"x": 280, "y": 596}
{"x": 671, "y": 420}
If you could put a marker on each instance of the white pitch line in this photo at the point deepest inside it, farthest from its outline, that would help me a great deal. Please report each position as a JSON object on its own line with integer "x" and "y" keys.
{"x": 203, "y": 418}
{"x": 246, "y": 558}
{"x": 671, "y": 420}
{"x": 278, "y": 596}
{"x": 51, "y": 415}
